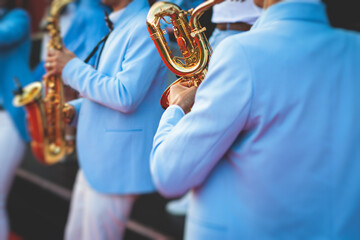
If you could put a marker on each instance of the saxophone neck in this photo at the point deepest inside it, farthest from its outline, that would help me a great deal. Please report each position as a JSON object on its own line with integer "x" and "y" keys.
{"x": 52, "y": 26}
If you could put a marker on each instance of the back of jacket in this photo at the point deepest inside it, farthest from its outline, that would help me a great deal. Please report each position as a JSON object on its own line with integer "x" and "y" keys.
{"x": 270, "y": 148}
{"x": 293, "y": 171}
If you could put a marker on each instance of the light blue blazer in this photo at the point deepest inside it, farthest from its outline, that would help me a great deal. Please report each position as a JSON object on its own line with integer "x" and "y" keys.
{"x": 120, "y": 111}
{"x": 271, "y": 146}
{"x": 14, "y": 62}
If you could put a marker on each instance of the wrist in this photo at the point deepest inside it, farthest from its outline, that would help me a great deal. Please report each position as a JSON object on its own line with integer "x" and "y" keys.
{"x": 185, "y": 107}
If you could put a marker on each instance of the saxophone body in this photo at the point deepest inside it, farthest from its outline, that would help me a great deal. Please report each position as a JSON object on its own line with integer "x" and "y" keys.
{"x": 44, "y": 103}
{"x": 190, "y": 37}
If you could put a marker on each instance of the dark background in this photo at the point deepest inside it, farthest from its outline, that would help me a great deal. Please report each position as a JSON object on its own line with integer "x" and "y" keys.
{"x": 37, "y": 211}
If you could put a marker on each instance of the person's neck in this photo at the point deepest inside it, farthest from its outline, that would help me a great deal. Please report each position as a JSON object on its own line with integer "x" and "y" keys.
{"x": 269, "y": 3}
{"x": 120, "y": 5}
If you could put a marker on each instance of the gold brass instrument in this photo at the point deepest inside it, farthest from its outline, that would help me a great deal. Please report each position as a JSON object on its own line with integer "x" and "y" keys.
{"x": 190, "y": 37}
{"x": 45, "y": 114}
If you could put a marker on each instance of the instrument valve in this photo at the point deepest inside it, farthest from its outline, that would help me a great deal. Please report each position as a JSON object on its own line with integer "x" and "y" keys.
{"x": 51, "y": 84}
{"x": 54, "y": 149}
{"x": 156, "y": 35}
{"x": 189, "y": 12}
{"x": 52, "y": 98}
{"x": 196, "y": 32}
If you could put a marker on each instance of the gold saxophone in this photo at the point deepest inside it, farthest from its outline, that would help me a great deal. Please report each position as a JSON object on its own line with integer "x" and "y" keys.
{"x": 46, "y": 114}
{"x": 190, "y": 37}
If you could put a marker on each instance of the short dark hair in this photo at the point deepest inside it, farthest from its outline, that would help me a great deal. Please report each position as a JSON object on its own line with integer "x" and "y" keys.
{"x": 343, "y": 14}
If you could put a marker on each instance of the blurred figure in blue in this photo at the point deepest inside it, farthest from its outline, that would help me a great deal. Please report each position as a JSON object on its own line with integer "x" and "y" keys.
{"x": 14, "y": 62}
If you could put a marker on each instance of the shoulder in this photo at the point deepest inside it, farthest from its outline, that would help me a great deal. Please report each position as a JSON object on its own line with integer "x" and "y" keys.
{"x": 18, "y": 14}
{"x": 139, "y": 21}
{"x": 19, "y": 18}
{"x": 244, "y": 40}
{"x": 231, "y": 50}
{"x": 18, "y": 21}
{"x": 230, "y": 61}
{"x": 138, "y": 29}
{"x": 350, "y": 34}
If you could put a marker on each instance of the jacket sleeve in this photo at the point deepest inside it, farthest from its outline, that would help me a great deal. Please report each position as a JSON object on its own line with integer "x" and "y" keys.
{"x": 14, "y": 28}
{"x": 124, "y": 91}
{"x": 187, "y": 148}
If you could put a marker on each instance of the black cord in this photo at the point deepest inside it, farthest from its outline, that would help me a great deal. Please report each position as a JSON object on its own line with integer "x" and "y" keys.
{"x": 110, "y": 25}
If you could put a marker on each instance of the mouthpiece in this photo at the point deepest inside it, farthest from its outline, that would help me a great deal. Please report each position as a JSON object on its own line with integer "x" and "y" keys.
{"x": 19, "y": 89}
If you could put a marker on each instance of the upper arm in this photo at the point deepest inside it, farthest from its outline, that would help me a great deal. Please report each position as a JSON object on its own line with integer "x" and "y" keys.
{"x": 139, "y": 68}
{"x": 126, "y": 89}
{"x": 14, "y": 28}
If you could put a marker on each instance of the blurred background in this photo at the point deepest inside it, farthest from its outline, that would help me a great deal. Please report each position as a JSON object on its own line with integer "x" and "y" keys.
{"x": 39, "y": 198}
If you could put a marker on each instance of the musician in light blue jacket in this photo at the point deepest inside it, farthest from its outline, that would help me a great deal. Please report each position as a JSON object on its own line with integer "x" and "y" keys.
{"x": 270, "y": 148}
{"x": 117, "y": 117}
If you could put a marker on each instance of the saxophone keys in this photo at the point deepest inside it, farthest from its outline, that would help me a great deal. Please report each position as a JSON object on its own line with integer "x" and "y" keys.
{"x": 54, "y": 149}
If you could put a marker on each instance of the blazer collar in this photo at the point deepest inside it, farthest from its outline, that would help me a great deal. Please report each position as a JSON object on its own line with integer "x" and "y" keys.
{"x": 130, "y": 10}
{"x": 303, "y": 11}
{"x": 89, "y": 3}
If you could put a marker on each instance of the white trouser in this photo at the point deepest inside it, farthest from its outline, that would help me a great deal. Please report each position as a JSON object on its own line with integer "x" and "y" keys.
{"x": 12, "y": 149}
{"x": 95, "y": 215}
